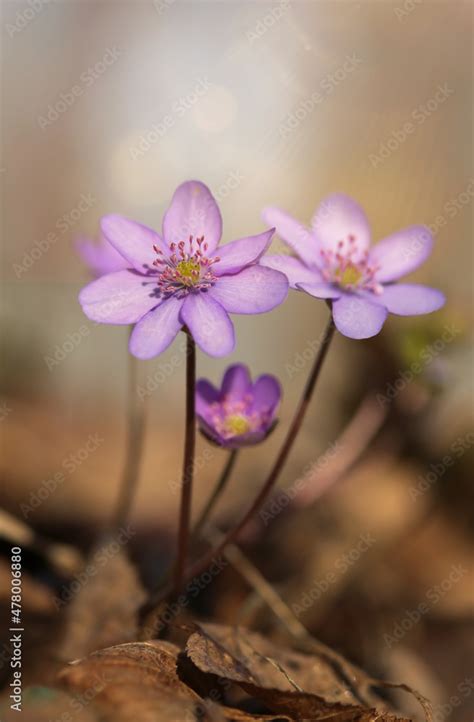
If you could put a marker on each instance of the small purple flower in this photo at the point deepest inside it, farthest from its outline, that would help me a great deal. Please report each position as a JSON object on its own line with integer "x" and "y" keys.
{"x": 335, "y": 261}
{"x": 240, "y": 413}
{"x": 100, "y": 257}
{"x": 178, "y": 279}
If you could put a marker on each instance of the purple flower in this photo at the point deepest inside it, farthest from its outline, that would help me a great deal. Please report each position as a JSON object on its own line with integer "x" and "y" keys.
{"x": 240, "y": 413}
{"x": 335, "y": 261}
{"x": 100, "y": 257}
{"x": 178, "y": 279}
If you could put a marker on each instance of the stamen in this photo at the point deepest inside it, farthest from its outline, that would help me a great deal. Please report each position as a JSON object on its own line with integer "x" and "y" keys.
{"x": 341, "y": 268}
{"x": 185, "y": 271}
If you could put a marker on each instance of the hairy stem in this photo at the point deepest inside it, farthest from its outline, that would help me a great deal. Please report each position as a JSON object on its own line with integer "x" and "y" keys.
{"x": 188, "y": 465}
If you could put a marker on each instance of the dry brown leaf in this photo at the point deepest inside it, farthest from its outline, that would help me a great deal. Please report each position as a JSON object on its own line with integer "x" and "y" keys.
{"x": 131, "y": 682}
{"x": 139, "y": 681}
{"x": 302, "y": 686}
{"x": 103, "y": 611}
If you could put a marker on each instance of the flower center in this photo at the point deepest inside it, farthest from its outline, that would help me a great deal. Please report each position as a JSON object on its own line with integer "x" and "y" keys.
{"x": 236, "y": 425}
{"x": 234, "y": 417}
{"x": 186, "y": 269}
{"x": 341, "y": 267}
{"x": 189, "y": 271}
{"x": 350, "y": 275}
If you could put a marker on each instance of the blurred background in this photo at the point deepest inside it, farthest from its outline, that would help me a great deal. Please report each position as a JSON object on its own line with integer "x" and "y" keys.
{"x": 107, "y": 107}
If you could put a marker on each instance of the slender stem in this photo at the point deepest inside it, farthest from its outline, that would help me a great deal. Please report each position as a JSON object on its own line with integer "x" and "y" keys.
{"x": 287, "y": 445}
{"x": 216, "y": 494}
{"x": 135, "y": 434}
{"x": 188, "y": 465}
{"x": 149, "y": 610}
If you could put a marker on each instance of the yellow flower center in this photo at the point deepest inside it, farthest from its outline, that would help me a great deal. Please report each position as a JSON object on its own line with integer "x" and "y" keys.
{"x": 236, "y": 424}
{"x": 189, "y": 272}
{"x": 350, "y": 276}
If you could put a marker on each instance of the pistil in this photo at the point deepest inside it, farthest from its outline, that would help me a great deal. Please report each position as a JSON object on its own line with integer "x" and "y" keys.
{"x": 186, "y": 269}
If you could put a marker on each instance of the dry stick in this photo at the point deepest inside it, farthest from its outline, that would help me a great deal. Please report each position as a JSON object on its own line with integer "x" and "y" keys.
{"x": 351, "y": 675}
{"x": 136, "y": 425}
{"x": 216, "y": 494}
{"x": 200, "y": 566}
{"x": 150, "y": 609}
{"x": 188, "y": 464}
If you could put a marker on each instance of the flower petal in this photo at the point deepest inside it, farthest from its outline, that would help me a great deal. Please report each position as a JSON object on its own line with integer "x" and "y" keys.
{"x": 401, "y": 252}
{"x": 101, "y": 257}
{"x": 294, "y": 233}
{"x": 293, "y": 268}
{"x": 266, "y": 393}
{"x": 236, "y": 381}
{"x": 120, "y": 298}
{"x": 206, "y": 394}
{"x": 206, "y": 427}
{"x": 237, "y": 254}
{"x": 357, "y": 317}
{"x": 254, "y": 290}
{"x": 411, "y": 299}
{"x": 336, "y": 219}
{"x": 156, "y": 331}
{"x": 320, "y": 290}
{"x": 193, "y": 211}
{"x": 132, "y": 240}
{"x": 209, "y": 324}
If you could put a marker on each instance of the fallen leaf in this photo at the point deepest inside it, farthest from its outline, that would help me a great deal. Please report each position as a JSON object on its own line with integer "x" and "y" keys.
{"x": 103, "y": 610}
{"x": 133, "y": 682}
{"x": 302, "y": 686}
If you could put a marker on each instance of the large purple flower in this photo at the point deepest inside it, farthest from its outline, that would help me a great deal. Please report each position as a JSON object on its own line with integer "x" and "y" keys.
{"x": 335, "y": 261}
{"x": 100, "y": 257}
{"x": 180, "y": 279}
{"x": 240, "y": 413}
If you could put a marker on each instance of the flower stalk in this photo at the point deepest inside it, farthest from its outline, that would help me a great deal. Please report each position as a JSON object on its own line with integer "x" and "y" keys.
{"x": 188, "y": 464}
{"x": 149, "y": 609}
{"x": 135, "y": 434}
{"x": 216, "y": 494}
{"x": 201, "y": 564}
